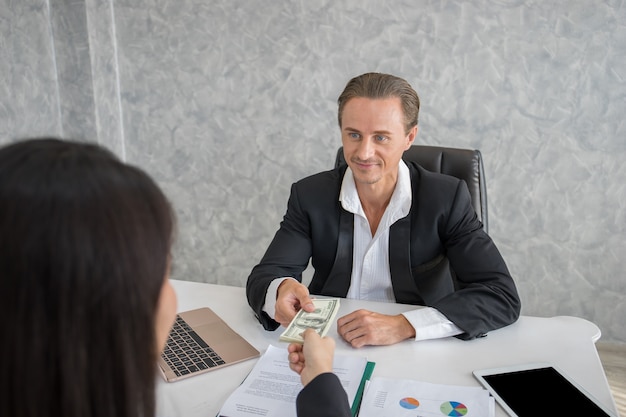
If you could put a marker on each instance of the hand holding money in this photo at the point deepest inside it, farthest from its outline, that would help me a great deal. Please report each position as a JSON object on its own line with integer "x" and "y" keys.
{"x": 320, "y": 320}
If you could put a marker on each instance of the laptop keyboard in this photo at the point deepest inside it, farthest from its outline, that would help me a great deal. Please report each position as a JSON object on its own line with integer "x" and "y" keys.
{"x": 186, "y": 353}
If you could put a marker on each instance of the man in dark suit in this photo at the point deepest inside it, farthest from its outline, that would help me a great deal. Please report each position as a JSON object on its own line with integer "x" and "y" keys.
{"x": 385, "y": 230}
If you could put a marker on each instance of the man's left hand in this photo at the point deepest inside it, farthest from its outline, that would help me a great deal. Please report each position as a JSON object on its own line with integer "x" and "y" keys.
{"x": 363, "y": 327}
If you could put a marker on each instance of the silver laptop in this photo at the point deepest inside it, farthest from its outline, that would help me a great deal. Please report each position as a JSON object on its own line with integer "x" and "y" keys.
{"x": 200, "y": 341}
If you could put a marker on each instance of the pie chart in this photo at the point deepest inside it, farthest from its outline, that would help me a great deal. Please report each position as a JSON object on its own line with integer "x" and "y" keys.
{"x": 409, "y": 403}
{"x": 453, "y": 408}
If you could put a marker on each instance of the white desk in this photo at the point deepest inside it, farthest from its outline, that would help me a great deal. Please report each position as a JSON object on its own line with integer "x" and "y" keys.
{"x": 567, "y": 342}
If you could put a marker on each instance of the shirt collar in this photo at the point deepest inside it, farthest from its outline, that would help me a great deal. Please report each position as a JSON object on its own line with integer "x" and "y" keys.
{"x": 400, "y": 202}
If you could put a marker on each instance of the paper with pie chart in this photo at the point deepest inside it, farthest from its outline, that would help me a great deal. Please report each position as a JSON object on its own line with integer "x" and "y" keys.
{"x": 405, "y": 397}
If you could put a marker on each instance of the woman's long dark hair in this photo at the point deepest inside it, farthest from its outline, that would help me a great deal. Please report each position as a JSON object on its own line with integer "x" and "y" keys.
{"x": 84, "y": 247}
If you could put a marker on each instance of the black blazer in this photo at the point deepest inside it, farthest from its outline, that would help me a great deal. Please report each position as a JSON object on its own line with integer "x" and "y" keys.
{"x": 439, "y": 255}
{"x": 323, "y": 397}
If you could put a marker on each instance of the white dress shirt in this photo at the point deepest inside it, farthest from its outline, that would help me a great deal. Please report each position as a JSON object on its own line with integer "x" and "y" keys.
{"x": 371, "y": 276}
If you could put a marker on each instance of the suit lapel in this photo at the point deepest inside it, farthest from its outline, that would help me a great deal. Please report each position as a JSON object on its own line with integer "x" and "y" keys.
{"x": 404, "y": 287}
{"x": 338, "y": 281}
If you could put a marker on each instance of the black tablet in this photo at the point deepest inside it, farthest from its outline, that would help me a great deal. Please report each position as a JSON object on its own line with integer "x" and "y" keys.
{"x": 539, "y": 389}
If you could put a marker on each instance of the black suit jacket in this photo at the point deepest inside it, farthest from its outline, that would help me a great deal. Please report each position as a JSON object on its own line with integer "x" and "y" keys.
{"x": 323, "y": 397}
{"x": 439, "y": 254}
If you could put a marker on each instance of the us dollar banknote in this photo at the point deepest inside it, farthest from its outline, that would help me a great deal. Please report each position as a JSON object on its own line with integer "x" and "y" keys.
{"x": 320, "y": 320}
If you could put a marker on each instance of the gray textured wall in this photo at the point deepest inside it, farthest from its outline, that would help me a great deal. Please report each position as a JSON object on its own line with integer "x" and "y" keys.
{"x": 227, "y": 102}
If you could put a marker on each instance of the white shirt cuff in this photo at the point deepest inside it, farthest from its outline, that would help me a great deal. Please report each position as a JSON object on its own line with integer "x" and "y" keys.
{"x": 270, "y": 296}
{"x": 429, "y": 323}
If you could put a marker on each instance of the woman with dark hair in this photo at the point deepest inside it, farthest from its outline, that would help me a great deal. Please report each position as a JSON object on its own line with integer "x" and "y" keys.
{"x": 85, "y": 300}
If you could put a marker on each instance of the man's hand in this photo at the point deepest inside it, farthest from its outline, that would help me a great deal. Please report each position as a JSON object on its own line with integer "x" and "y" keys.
{"x": 363, "y": 327}
{"x": 290, "y": 298}
{"x": 312, "y": 358}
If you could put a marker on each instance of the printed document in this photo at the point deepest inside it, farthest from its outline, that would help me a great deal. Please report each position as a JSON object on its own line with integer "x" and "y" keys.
{"x": 271, "y": 388}
{"x": 387, "y": 397}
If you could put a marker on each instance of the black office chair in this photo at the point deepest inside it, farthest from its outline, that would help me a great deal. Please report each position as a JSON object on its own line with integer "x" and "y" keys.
{"x": 466, "y": 164}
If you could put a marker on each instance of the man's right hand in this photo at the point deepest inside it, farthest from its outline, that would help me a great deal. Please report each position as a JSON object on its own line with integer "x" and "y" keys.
{"x": 290, "y": 298}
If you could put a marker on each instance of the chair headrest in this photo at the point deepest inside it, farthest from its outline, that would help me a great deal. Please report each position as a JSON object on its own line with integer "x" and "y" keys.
{"x": 465, "y": 164}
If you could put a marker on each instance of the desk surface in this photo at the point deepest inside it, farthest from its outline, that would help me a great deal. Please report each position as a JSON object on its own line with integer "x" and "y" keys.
{"x": 567, "y": 342}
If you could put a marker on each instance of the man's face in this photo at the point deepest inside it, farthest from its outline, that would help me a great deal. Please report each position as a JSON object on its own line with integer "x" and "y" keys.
{"x": 374, "y": 139}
